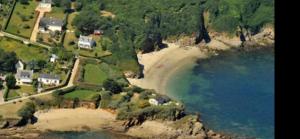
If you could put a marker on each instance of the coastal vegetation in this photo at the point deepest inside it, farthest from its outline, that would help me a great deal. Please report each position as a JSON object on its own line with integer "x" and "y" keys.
{"x": 127, "y": 29}
{"x": 132, "y": 28}
{"x": 228, "y": 15}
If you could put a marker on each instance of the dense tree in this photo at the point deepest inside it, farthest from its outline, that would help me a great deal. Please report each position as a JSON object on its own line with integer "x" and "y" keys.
{"x": 7, "y": 61}
{"x": 1, "y": 84}
{"x": 27, "y": 111}
{"x": 24, "y": 1}
{"x": 10, "y": 81}
{"x": 112, "y": 86}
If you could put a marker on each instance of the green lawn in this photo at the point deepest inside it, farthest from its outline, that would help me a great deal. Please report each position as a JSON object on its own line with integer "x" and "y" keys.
{"x": 81, "y": 94}
{"x": 27, "y": 13}
{"x": 56, "y": 12}
{"x": 24, "y": 52}
{"x": 13, "y": 93}
{"x": 70, "y": 36}
{"x": 94, "y": 74}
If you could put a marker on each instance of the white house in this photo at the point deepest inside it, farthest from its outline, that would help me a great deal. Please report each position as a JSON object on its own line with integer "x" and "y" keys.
{"x": 85, "y": 42}
{"x": 53, "y": 58}
{"x": 50, "y": 24}
{"x": 20, "y": 65}
{"x": 153, "y": 101}
{"x": 24, "y": 76}
{"x": 45, "y": 4}
{"x": 48, "y": 79}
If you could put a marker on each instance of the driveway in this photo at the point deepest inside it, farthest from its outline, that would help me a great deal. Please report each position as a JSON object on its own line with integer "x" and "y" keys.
{"x": 35, "y": 30}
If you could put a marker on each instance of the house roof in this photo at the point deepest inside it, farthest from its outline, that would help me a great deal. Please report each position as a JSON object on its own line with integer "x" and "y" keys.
{"x": 45, "y": 21}
{"x": 49, "y": 76}
{"x": 24, "y": 74}
{"x": 19, "y": 63}
{"x": 46, "y": 1}
{"x": 85, "y": 39}
{"x": 54, "y": 56}
{"x": 161, "y": 100}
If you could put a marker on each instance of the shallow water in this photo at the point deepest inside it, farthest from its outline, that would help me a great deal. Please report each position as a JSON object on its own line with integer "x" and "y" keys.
{"x": 234, "y": 92}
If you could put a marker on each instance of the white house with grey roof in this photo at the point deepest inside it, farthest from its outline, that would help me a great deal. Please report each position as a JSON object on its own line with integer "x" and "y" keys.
{"x": 24, "y": 77}
{"x": 20, "y": 65}
{"x": 49, "y": 79}
{"x": 50, "y": 24}
{"x": 85, "y": 42}
{"x": 45, "y": 4}
{"x": 53, "y": 58}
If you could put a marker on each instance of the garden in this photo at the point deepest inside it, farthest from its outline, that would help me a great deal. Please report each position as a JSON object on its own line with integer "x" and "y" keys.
{"x": 23, "y": 19}
{"x": 5, "y": 10}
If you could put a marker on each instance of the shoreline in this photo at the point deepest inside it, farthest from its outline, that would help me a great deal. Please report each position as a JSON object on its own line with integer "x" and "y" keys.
{"x": 159, "y": 66}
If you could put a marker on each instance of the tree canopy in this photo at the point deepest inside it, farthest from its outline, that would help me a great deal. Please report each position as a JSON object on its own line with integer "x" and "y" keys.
{"x": 7, "y": 61}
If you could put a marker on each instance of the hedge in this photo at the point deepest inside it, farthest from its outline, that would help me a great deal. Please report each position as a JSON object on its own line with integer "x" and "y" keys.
{"x": 5, "y": 93}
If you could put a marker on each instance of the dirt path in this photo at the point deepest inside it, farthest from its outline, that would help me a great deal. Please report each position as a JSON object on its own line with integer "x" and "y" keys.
{"x": 1, "y": 97}
{"x": 74, "y": 71}
{"x": 35, "y": 30}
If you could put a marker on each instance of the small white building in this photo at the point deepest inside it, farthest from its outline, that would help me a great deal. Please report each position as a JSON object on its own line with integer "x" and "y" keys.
{"x": 157, "y": 101}
{"x": 45, "y": 4}
{"x": 50, "y": 24}
{"x": 153, "y": 101}
{"x": 85, "y": 42}
{"x": 53, "y": 58}
{"x": 48, "y": 79}
{"x": 20, "y": 65}
{"x": 24, "y": 76}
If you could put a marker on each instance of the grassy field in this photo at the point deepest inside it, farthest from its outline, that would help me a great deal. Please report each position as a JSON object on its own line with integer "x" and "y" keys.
{"x": 56, "y": 12}
{"x": 81, "y": 94}
{"x": 24, "y": 52}
{"x": 29, "y": 90}
{"x": 10, "y": 110}
{"x": 23, "y": 19}
{"x": 94, "y": 74}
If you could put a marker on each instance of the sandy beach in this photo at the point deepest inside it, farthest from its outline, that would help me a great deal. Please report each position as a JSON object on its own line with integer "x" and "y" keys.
{"x": 159, "y": 65}
{"x": 72, "y": 119}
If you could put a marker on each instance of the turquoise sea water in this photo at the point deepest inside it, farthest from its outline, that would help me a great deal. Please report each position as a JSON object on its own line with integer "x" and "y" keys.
{"x": 234, "y": 92}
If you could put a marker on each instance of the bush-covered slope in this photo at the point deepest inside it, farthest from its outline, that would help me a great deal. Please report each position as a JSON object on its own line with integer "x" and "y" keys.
{"x": 227, "y": 15}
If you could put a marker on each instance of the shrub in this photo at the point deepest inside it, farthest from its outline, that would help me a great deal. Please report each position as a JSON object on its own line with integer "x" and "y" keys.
{"x": 112, "y": 86}
{"x": 27, "y": 110}
{"x": 10, "y": 81}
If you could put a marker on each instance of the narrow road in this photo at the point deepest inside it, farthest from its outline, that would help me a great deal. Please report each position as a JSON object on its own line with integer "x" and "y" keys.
{"x": 71, "y": 83}
{"x": 74, "y": 71}
{"x": 23, "y": 39}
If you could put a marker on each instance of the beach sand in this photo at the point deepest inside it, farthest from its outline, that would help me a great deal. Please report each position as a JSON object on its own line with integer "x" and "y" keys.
{"x": 72, "y": 119}
{"x": 159, "y": 65}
